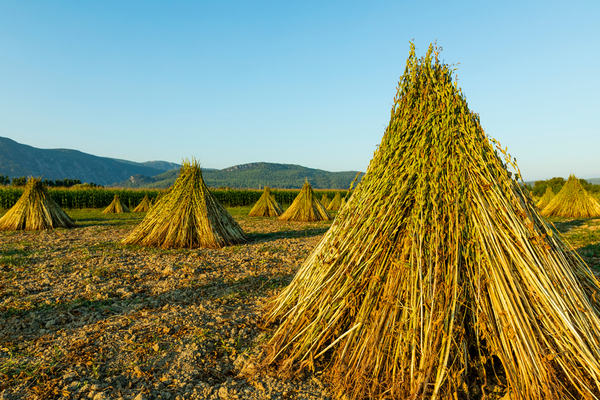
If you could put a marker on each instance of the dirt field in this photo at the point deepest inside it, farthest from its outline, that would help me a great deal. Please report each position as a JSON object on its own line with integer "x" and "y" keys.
{"x": 82, "y": 316}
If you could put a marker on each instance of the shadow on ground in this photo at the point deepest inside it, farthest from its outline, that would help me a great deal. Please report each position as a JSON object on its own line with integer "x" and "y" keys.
{"x": 564, "y": 226}
{"x": 591, "y": 255}
{"x": 286, "y": 234}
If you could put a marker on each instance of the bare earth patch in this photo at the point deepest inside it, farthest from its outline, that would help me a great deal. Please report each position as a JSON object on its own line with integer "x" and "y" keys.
{"x": 82, "y": 316}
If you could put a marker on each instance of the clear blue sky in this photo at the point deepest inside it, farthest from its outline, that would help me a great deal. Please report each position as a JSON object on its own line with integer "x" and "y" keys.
{"x": 304, "y": 82}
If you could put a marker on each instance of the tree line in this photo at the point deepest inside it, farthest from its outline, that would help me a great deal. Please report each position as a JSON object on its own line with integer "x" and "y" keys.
{"x": 557, "y": 183}
{"x": 66, "y": 183}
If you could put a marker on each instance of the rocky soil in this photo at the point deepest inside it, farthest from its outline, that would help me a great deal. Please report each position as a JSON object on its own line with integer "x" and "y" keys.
{"x": 82, "y": 316}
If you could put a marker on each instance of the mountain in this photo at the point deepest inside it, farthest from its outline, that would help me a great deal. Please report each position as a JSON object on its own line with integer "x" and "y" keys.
{"x": 18, "y": 160}
{"x": 594, "y": 181}
{"x": 160, "y": 165}
{"x": 163, "y": 165}
{"x": 253, "y": 175}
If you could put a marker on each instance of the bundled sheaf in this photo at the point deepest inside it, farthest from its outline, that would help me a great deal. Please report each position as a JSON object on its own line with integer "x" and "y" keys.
{"x": 35, "y": 210}
{"x": 336, "y": 203}
{"x": 545, "y": 199}
{"x": 306, "y": 207}
{"x": 266, "y": 206}
{"x": 187, "y": 216}
{"x": 325, "y": 201}
{"x": 439, "y": 279}
{"x": 116, "y": 206}
{"x": 572, "y": 201}
{"x": 144, "y": 205}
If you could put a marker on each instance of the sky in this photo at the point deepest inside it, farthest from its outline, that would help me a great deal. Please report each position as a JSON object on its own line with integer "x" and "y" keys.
{"x": 295, "y": 82}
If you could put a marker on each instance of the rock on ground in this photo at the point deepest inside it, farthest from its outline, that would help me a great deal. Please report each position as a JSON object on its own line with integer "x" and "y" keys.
{"x": 82, "y": 316}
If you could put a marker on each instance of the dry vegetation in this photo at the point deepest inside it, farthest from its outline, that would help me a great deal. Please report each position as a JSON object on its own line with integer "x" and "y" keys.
{"x": 439, "y": 279}
{"x": 144, "y": 205}
{"x": 334, "y": 204}
{"x": 573, "y": 201}
{"x": 116, "y": 206}
{"x": 187, "y": 216}
{"x": 83, "y": 316}
{"x": 545, "y": 199}
{"x": 306, "y": 207}
{"x": 35, "y": 210}
{"x": 266, "y": 206}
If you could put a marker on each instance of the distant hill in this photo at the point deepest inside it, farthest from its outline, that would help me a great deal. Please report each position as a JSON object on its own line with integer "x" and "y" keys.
{"x": 162, "y": 165}
{"x": 594, "y": 181}
{"x": 254, "y": 175}
{"x": 18, "y": 160}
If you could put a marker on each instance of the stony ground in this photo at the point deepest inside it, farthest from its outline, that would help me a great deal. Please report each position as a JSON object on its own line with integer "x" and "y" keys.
{"x": 82, "y": 316}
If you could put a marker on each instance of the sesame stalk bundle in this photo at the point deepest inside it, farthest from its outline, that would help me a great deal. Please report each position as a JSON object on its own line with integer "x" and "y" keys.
{"x": 335, "y": 203}
{"x": 572, "y": 201}
{"x": 187, "y": 216}
{"x": 144, "y": 205}
{"x": 546, "y": 198}
{"x": 116, "y": 206}
{"x": 35, "y": 210}
{"x": 266, "y": 206}
{"x": 439, "y": 279}
{"x": 306, "y": 207}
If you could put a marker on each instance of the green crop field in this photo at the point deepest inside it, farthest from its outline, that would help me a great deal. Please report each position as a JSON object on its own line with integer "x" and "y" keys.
{"x": 101, "y": 198}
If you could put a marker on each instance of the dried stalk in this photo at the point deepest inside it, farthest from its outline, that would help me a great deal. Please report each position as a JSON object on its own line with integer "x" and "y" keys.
{"x": 144, "y": 205}
{"x": 35, "y": 210}
{"x": 440, "y": 275}
{"x": 306, "y": 207}
{"x": 116, "y": 206}
{"x": 266, "y": 206}
{"x": 546, "y": 198}
{"x": 336, "y": 203}
{"x": 187, "y": 215}
{"x": 572, "y": 201}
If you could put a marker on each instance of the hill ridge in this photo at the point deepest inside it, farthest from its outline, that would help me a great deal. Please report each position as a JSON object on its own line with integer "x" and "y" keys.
{"x": 255, "y": 175}
{"x": 17, "y": 159}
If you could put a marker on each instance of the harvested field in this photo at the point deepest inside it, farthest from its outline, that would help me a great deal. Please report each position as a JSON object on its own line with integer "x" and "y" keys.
{"x": 82, "y": 316}
{"x": 584, "y": 235}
